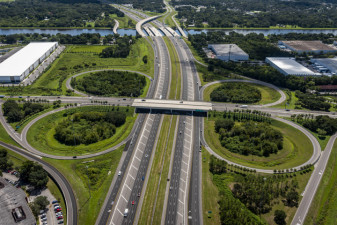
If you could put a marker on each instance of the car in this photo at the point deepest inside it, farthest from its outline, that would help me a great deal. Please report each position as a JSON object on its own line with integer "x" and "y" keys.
{"x": 60, "y": 222}
{"x": 58, "y": 214}
{"x": 133, "y": 202}
{"x": 288, "y": 110}
{"x": 143, "y": 100}
{"x": 119, "y": 173}
{"x": 58, "y": 210}
{"x": 20, "y": 96}
{"x": 45, "y": 223}
{"x": 54, "y": 202}
{"x": 74, "y": 157}
{"x": 56, "y": 206}
{"x": 44, "y": 219}
{"x": 60, "y": 217}
{"x": 124, "y": 99}
{"x": 138, "y": 194}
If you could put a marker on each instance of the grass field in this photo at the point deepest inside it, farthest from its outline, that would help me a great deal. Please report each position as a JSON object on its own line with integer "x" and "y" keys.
{"x": 194, "y": 52}
{"x": 297, "y": 148}
{"x": 210, "y": 193}
{"x": 124, "y": 22}
{"x": 175, "y": 88}
{"x": 4, "y": 137}
{"x": 323, "y": 208}
{"x": 269, "y": 95}
{"x": 153, "y": 203}
{"x": 101, "y": 171}
{"x": 76, "y": 59}
{"x": 41, "y": 135}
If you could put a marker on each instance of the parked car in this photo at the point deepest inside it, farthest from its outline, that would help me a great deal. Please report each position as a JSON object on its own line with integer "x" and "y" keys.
{"x": 54, "y": 202}
{"x": 60, "y": 222}
{"x": 60, "y": 217}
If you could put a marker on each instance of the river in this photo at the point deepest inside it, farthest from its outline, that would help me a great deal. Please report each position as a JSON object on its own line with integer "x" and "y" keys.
{"x": 104, "y": 32}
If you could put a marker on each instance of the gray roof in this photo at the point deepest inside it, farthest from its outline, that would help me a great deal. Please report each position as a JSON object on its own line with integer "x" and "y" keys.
{"x": 11, "y": 198}
{"x": 328, "y": 62}
{"x": 224, "y": 49}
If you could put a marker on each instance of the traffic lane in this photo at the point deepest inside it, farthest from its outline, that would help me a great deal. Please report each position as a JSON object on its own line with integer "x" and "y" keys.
{"x": 314, "y": 181}
{"x": 132, "y": 172}
{"x": 171, "y": 210}
{"x": 109, "y": 203}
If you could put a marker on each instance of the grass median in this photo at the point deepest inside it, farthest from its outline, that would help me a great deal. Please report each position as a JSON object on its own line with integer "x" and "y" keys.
{"x": 153, "y": 202}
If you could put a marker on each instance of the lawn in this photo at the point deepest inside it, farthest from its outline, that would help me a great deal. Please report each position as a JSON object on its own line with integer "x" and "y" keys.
{"x": 268, "y": 94}
{"x": 194, "y": 52}
{"x": 210, "y": 193}
{"x": 156, "y": 187}
{"x": 175, "y": 87}
{"x": 41, "y": 134}
{"x": 79, "y": 58}
{"x": 4, "y": 137}
{"x": 324, "y": 205}
{"x": 101, "y": 170}
{"x": 297, "y": 148}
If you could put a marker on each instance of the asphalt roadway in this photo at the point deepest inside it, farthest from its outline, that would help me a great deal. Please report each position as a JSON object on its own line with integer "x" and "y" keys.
{"x": 59, "y": 179}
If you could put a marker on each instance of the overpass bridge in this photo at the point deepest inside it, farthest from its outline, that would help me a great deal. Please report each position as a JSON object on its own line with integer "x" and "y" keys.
{"x": 172, "y": 105}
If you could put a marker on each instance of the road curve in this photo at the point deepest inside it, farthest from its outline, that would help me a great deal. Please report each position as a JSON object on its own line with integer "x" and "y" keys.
{"x": 115, "y": 26}
{"x": 68, "y": 85}
{"x": 314, "y": 158}
{"x": 282, "y": 99}
{"x": 60, "y": 180}
{"x": 313, "y": 184}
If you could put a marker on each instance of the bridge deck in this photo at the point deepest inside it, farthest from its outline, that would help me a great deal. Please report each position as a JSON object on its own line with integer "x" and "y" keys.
{"x": 172, "y": 104}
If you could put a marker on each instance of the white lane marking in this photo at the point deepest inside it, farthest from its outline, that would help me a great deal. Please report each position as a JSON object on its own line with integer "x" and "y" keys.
{"x": 180, "y": 214}
{"x": 128, "y": 187}
{"x": 181, "y": 202}
{"x": 124, "y": 197}
{"x": 131, "y": 176}
{"x": 134, "y": 167}
{"x": 137, "y": 157}
{"x": 119, "y": 212}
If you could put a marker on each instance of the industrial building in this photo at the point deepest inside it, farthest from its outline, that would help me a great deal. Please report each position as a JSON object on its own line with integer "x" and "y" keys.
{"x": 229, "y": 52}
{"x": 14, "y": 209}
{"x": 288, "y": 66}
{"x": 22, "y": 63}
{"x": 326, "y": 64}
{"x": 313, "y": 47}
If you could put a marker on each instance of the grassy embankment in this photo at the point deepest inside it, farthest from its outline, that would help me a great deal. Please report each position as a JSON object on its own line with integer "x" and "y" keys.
{"x": 269, "y": 95}
{"x": 286, "y": 27}
{"x": 124, "y": 22}
{"x": 99, "y": 173}
{"x": 4, "y": 137}
{"x": 211, "y": 197}
{"x": 175, "y": 88}
{"x": 297, "y": 148}
{"x": 324, "y": 205}
{"x": 41, "y": 134}
{"x": 79, "y": 58}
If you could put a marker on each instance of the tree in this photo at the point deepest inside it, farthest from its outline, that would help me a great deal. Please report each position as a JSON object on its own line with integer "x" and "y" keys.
{"x": 279, "y": 217}
{"x": 292, "y": 198}
{"x": 34, "y": 174}
{"x": 40, "y": 203}
{"x": 145, "y": 59}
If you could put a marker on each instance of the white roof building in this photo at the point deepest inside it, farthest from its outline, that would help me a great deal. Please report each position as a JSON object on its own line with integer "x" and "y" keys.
{"x": 19, "y": 65}
{"x": 288, "y": 66}
{"x": 329, "y": 63}
{"x": 229, "y": 52}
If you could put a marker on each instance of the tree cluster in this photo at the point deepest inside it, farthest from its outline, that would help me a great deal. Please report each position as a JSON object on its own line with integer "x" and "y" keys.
{"x": 257, "y": 13}
{"x": 312, "y": 101}
{"x": 33, "y": 173}
{"x": 5, "y": 163}
{"x": 120, "y": 49}
{"x": 39, "y": 203}
{"x": 249, "y": 137}
{"x": 145, "y": 5}
{"x": 15, "y": 112}
{"x": 236, "y": 93}
{"x": 323, "y": 125}
{"x": 89, "y": 127}
{"x": 107, "y": 83}
{"x": 49, "y": 13}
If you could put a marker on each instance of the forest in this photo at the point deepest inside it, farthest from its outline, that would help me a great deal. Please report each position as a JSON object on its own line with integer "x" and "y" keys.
{"x": 244, "y": 195}
{"x": 312, "y": 101}
{"x": 88, "y": 127}
{"x": 257, "y": 13}
{"x": 236, "y": 93}
{"x": 15, "y": 112}
{"x": 51, "y": 13}
{"x": 111, "y": 83}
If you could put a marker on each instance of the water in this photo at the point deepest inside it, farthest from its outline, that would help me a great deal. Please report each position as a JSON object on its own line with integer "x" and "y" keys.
{"x": 133, "y": 32}
{"x": 72, "y": 32}
{"x": 265, "y": 32}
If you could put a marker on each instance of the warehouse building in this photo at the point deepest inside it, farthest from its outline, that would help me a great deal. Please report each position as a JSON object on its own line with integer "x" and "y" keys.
{"x": 22, "y": 63}
{"x": 288, "y": 66}
{"x": 314, "y": 47}
{"x": 328, "y": 63}
{"x": 228, "y": 52}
